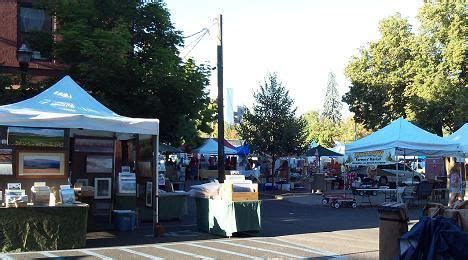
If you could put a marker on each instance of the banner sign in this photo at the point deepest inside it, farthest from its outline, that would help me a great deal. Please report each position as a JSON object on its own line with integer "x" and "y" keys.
{"x": 377, "y": 157}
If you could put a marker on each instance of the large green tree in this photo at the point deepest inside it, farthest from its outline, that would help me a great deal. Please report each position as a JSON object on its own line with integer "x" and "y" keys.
{"x": 271, "y": 126}
{"x": 126, "y": 54}
{"x": 421, "y": 76}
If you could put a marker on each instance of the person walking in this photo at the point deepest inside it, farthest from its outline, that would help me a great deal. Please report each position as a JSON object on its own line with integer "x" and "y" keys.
{"x": 455, "y": 185}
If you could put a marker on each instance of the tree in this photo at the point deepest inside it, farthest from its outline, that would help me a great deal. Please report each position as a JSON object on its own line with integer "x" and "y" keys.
{"x": 420, "y": 76}
{"x": 332, "y": 105}
{"x": 126, "y": 54}
{"x": 271, "y": 127}
{"x": 320, "y": 130}
{"x": 380, "y": 75}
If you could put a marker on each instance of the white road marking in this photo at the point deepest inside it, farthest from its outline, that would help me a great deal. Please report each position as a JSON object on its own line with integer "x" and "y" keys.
{"x": 183, "y": 252}
{"x": 261, "y": 249}
{"x": 89, "y": 252}
{"x": 48, "y": 254}
{"x": 139, "y": 253}
{"x": 221, "y": 250}
{"x": 320, "y": 251}
{"x": 5, "y": 257}
{"x": 314, "y": 251}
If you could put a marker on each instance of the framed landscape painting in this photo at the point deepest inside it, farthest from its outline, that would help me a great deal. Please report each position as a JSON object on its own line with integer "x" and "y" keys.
{"x": 36, "y": 137}
{"x": 93, "y": 145}
{"x": 99, "y": 164}
{"x": 6, "y": 162}
{"x": 37, "y": 164}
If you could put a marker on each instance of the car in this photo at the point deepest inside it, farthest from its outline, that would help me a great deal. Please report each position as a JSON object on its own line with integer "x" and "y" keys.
{"x": 387, "y": 174}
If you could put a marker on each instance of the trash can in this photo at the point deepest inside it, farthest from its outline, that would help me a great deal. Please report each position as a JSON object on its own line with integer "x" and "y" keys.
{"x": 393, "y": 223}
{"x": 124, "y": 220}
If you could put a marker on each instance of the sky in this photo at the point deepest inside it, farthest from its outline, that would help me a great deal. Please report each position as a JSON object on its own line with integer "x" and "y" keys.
{"x": 300, "y": 40}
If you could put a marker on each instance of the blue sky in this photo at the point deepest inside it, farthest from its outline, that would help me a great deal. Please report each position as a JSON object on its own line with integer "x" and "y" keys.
{"x": 301, "y": 40}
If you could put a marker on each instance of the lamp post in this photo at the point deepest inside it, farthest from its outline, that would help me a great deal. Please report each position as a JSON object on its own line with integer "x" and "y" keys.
{"x": 23, "y": 55}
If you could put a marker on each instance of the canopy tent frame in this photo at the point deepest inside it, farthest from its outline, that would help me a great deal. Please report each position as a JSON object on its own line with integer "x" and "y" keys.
{"x": 65, "y": 105}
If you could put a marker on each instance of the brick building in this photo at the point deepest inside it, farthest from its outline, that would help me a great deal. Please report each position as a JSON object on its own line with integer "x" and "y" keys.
{"x": 21, "y": 22}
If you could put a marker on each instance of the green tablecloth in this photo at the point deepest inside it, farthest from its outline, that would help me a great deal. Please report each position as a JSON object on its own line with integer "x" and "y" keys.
{"x": 43, "y": 228}
{"x": 172, "y": 206}
{"x": 224, "y": 218}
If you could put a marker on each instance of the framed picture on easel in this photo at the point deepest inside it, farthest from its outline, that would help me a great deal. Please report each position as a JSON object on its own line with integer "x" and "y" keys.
{"x": 102, "y": 188}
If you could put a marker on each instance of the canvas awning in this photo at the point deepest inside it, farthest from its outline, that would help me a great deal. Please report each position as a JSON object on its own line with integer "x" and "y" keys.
{"x": 405, "y": 139}
{"x": 211, "y": 147}
{"x": 321, "y": 151}
{"x": 67, "y": 105}
{"x": 164, "y": 148}
{"x": 461, "y": 137}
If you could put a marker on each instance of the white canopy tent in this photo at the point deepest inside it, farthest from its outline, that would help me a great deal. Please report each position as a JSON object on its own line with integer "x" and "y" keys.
{"x": 406, "y": 139}
{"x": 211, "y": 147}
{"x": 461, "y": 136}
{"x": 66, "y": 105}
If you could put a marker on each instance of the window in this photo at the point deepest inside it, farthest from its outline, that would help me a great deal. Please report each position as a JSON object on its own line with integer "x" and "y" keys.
{"x": 35, "y": 30}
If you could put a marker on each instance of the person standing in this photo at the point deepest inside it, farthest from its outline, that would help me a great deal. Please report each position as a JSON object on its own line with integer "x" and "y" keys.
{"x": 455, "y": 185}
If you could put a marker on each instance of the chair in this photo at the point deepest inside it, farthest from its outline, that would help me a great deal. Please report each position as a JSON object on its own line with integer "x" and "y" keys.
{"x": 424, "y": 190}
{"x": 409, "y": 194}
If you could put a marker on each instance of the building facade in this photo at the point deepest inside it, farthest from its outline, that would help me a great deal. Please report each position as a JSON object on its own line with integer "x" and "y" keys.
{"x": 21, "y": 22}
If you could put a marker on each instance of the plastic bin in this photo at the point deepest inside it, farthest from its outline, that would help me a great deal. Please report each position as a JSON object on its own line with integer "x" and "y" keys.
{"x": 124, "y": 220}
{"x": 393, "y": 223}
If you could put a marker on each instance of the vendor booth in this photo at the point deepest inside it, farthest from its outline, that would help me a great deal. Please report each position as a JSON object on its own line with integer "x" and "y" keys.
{"x": 461, "y": 136}
{"x": 398, "y": 139}
{"x": 60, "y": 147}
{"x": 207, "y": 150}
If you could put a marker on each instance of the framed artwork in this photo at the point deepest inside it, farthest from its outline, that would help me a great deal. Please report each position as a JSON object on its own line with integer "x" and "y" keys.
{"x": 144, "y": 168}
{"x": 67, "y": 196}
{"x": 102, "y": 188}
{"x": 81, "y": 182}
{"x": 6, "y": 162}
{"x": 34, "y": 164}
{"x": 99, "y": 164}
{"x": 36, "y": 137}
{"x": 149, "y": 194}
{"x": 93, "y": 145}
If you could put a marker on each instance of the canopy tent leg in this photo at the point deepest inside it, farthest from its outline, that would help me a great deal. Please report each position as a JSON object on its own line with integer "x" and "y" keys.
{"x": 157, "y": 228}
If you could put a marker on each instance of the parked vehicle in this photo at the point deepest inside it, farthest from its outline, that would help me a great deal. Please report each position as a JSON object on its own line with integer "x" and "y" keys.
{"x": 387, "y": 174}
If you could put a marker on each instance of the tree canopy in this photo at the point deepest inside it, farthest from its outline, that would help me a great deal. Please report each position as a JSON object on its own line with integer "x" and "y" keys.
{"x": 271, "y": 126}
{"x": 126, "y": 54}
{"x": 420, "y": 76}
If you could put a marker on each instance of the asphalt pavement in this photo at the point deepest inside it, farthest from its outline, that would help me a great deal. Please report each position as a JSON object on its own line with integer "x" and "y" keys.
{"x": 297, "y": 226}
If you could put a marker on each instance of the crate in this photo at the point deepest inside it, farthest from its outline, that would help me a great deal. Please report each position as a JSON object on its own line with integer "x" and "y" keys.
{"x": 227, "y": 193}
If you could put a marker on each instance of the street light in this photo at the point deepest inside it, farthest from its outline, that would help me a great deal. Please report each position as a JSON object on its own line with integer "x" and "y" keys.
{"x": 23, "y": 55}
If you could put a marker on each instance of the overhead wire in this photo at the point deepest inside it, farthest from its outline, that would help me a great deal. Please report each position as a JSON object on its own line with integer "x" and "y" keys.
{"x": 191, "y": 46}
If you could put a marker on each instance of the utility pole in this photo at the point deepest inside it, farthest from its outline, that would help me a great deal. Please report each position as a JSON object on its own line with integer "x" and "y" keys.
{"x": 220, "y": 101}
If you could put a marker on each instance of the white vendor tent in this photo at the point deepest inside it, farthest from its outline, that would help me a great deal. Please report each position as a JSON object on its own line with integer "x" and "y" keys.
{"x": 461, "y": 136}
{"x": 211, "y": 147}
{"x": 67, "y": 105}
{"x": 405, "y": 138}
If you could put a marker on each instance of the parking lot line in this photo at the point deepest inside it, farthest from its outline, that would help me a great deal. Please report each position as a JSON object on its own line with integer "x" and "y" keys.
{"x": 319, "y": 251}
{"x": 139, "y": 253}
{"x": 220, "y": 250}
{"x": 48, "y": 254}
{"x": 5, "y": 257}
{"x": 305, "y": 249}
{"x": 182, "y": 252}
{"x": 89, "y": 252}
{"x": 261, "y": 249}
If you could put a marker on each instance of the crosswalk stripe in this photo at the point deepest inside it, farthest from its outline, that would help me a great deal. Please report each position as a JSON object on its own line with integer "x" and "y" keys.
{"x": 48, "y": 254}
{"x": 257, "y": 240}
{"x": 182, "y": 252}
{"x": 5, "y": 257}
{"x": 89, "y": 252}
{"x": 261, "y": 249}
{"x": 139, "y": 253}
{"x": 221, "y": 250}
{"x": 320, "y": 251}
